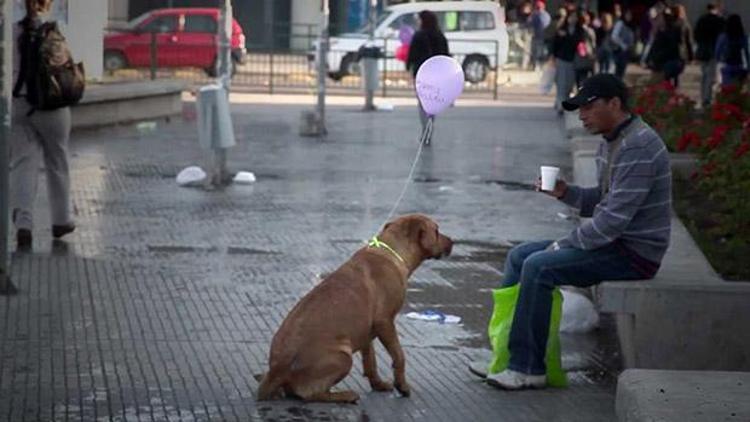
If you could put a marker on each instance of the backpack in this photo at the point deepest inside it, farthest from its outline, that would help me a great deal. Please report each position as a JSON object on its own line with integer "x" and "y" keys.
{"x": 53, "y": 80}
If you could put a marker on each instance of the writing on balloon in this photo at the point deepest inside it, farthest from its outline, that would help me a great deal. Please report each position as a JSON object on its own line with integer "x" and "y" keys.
{"x": 431, "y": 93}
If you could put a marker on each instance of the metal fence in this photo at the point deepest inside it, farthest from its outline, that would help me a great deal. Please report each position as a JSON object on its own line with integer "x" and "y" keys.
{"x": 190, "y": 57}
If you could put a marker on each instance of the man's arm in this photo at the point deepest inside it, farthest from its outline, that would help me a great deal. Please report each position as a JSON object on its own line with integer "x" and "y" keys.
{"x": 632, "y": 178}
{"x": 584, "y": 199}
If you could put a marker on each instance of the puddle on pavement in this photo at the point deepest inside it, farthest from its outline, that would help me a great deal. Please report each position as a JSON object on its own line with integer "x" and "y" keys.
{"x": 237, "y": 250}
{"x": 181, "y": 249}
{"x": 509, "y": 185}
{"x": 283, "y": 412}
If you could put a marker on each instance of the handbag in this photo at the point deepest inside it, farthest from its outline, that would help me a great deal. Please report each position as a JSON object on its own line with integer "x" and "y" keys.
{"x": 499, "y": 332}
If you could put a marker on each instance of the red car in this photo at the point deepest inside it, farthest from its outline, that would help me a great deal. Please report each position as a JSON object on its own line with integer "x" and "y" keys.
{"x": 185, "y": 37}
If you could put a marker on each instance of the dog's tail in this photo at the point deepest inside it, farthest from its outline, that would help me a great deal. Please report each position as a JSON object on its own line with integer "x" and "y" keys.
{"x": 270, "y": 386}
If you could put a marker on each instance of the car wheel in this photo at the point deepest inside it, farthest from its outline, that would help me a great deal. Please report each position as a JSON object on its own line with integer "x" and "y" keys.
{"x": 114, "y": 60}
{"x": 475, "y": 68}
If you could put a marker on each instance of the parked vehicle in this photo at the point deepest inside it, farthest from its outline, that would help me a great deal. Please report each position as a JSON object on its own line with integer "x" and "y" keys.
{"x": 185, "y": 37}
{"x": 476, "y": 33}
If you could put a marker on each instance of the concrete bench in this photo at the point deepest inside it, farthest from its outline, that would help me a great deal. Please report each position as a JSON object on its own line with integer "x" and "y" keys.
{"x": 685, "y": 318}
{"x": 115, "y": 103}
{"x": 682, "y": 396}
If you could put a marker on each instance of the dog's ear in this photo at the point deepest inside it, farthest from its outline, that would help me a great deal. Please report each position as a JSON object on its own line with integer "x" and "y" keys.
{"x": 428, "y": 238}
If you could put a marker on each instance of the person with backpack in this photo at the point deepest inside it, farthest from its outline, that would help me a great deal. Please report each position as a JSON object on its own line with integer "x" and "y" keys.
{"x": 47, "y": 83}
{"x": 733, "y": 53}
{"x": 428, "y": 41}
{"x": 672, "y": 48}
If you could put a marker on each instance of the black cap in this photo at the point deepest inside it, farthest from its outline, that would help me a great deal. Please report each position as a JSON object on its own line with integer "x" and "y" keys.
{"x": 598, "y": 86}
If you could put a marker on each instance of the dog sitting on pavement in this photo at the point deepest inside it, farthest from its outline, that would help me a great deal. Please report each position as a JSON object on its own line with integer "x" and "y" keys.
{"x": 313, "y": 348}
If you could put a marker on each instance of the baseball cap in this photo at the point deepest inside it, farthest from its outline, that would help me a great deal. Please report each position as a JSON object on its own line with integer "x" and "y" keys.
{"x": 602, "y": 85}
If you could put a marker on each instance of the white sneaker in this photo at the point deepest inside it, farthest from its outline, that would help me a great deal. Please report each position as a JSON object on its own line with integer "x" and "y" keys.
{"x": 513, "y": 380}
{"x": 479, "y": 368}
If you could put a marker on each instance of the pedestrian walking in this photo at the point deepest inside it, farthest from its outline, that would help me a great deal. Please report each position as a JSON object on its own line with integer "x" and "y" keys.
{"x": 672, "y": 48}
{"x": 40, "y": 125}
{"x": 428, "y": 41}
{"x": 604, "y": 44}
{"x": 585, "y": 58}
{"x": 706, "y": 34}
{"x": 564, "y": 47}
{"x": 539, "y": 22}
{"x": 732, "y": 52}
{"x": 625, "y": 239}
{"x": 623, "y": 42}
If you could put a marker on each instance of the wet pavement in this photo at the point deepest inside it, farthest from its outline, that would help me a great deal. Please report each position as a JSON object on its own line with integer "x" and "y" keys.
{"x": 162, "y": 305}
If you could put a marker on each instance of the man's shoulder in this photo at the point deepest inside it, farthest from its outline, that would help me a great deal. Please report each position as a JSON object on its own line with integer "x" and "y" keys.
{"x": 641, "y": 135}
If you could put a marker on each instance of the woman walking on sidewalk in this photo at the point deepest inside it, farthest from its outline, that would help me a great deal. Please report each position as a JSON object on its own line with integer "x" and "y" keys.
{"x": 36, "y": 134}
{"x": 428, "y": 41}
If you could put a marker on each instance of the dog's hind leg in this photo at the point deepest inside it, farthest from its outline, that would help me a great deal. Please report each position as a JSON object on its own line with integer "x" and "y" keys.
{"x": 314, "y": 382}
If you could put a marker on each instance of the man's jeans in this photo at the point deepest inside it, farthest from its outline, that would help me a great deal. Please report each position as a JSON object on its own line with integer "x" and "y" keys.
{"x": 708, "y": 79}
{"x": 539, "y": 271}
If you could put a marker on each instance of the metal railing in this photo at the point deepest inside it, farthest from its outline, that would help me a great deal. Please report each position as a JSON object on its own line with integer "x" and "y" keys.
{"x": 291, "y": 69}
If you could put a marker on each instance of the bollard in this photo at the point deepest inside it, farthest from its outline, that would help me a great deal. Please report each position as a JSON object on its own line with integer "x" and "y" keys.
{"x": 369, "y": 54}
{"x": 215, "y": 131}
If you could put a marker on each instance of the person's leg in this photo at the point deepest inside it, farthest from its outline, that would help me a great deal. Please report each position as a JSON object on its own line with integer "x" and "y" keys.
{"x": 559, "y": 84}
{"x": 564, "y": 79}
{"x": 706, "y": 85}
{"x": 620, "y": 64}
{"x": 541, "y": 272}
{"x": 516, "y": 256}
{"x": 25, "y": 153}
{"x": 54, "y": 128}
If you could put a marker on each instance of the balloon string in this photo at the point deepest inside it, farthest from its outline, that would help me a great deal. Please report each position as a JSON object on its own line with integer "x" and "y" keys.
{"x": 426, "y": 134}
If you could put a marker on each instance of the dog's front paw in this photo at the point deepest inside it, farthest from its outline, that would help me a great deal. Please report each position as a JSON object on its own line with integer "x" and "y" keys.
{"x": 380, "y": 385}
{"x": 403, "y": 388}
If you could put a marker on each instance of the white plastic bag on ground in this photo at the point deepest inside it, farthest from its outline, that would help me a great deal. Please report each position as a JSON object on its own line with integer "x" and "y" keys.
{"x": 578, "y": 313}
{"x": 547, "y": 80}
{"x": 191, "y": 176}
{"x": 244, "y": 177}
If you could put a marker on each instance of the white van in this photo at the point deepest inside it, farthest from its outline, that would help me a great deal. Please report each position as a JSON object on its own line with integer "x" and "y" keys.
{"x": 476, "y": 33}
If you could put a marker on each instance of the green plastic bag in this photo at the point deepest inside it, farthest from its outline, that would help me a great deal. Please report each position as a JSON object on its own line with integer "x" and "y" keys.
{"x": 499, "y": 332}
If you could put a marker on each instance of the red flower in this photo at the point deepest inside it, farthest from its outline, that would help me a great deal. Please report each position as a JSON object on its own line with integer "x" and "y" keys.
{"x": 718, "y": 136}
{"x": 687, "y": 139}
{"x": 667, "y": 86}
{"x": 729, "y": 89}
{"x": 639, "y": 110}
{"x": 708, "y": 168}
{"x": 742, "y": 149}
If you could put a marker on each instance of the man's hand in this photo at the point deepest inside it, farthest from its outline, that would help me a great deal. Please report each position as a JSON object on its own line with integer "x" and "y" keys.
{"x": 558, "y": 192}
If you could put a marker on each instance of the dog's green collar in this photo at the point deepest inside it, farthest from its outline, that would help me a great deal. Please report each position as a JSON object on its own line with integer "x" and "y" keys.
{"x": 377, "y": 243}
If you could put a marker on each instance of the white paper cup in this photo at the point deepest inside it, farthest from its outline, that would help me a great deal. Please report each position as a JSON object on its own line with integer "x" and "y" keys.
{"x": 549, "y": 177}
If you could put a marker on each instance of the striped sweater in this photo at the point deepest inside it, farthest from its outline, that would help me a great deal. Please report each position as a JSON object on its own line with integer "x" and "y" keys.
{"x": 635, "y": 211}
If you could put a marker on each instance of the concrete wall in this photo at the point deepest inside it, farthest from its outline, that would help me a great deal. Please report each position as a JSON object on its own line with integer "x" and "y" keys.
{"x": 118, "y": 13}
{"x": 304, "y": 12}
{"x": 86, "y": 22}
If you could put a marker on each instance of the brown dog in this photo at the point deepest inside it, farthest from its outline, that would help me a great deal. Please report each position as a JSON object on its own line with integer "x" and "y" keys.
{"x": 312, "y": 350}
